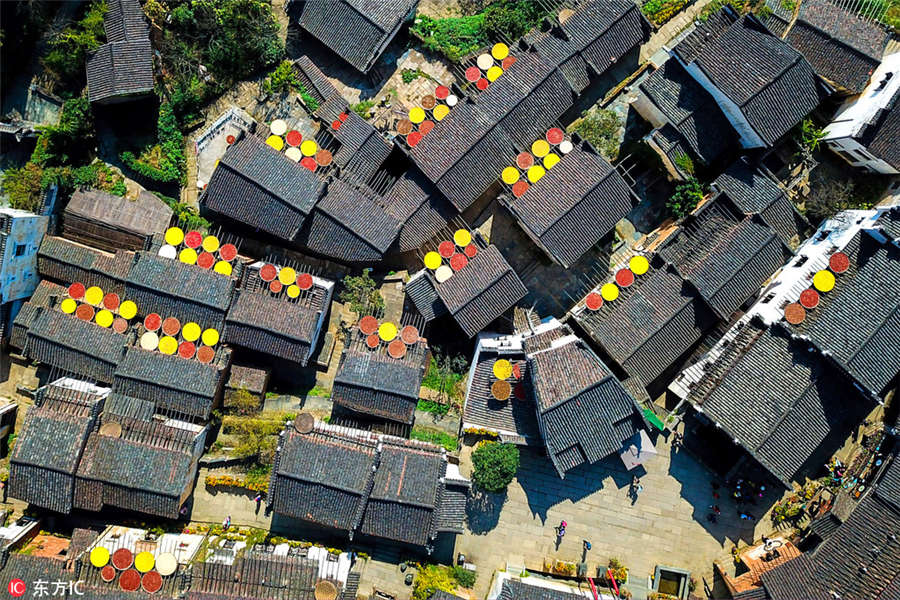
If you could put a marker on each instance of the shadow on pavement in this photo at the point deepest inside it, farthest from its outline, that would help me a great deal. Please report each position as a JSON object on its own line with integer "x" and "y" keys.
{"x": 544, "y": 488}
{"x": 483, "y": 511}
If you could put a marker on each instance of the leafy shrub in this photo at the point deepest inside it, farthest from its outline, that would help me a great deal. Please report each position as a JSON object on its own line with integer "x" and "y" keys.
{"x": 511, "y": 19}
{"x": 24, "y": 187}
{"x": 619, "y": 571}
{"x": 809, "y": 135}
{"x": 69, "y": 142}
{"x": 69, "y": 48}
{"x": 232, "y": 39}
{"x": 243, "y": 402}
{"x": 436, "y": 437}
{"x": 464, "y": 577}
{"x": 430, "y": 406}
{"x": 188, "y": 98}
{"x": 600, "y": 128}
{"x": 685, "y": 163}
{"x": 165, "y": 161}
{"x": 282, "y": 79}
{"x": 454, "y": 37}
{"x": 187, "y": 216}
{"x": 430, "y": 579}
{"x": 213, "y": 481}
{"x": 363, "y": 107}
{"x": 410, "y": 75}
{"x": 495, "y": 465}
{"x": 361, "y": 292}
{"x": 685, "y": 199}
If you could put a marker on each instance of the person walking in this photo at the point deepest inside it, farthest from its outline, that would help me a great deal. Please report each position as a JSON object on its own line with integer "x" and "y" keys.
{"x": 227, "y": 523}
{"x": 560, "y": 533}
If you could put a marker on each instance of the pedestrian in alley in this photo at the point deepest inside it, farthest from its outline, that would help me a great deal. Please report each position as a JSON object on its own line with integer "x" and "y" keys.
{"x": 560, "y": 533}
{"x": 227, "y": 523}
{"x": 677, "y": 441}
{"x": 636, "y": 489}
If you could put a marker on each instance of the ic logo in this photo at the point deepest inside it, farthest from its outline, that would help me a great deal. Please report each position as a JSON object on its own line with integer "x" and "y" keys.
{"x": 16, "y": 588}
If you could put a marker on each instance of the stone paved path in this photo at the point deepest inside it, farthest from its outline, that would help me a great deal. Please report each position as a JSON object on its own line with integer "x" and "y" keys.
{"x": 666, "y": 525}
{"x": 671, "y": 29}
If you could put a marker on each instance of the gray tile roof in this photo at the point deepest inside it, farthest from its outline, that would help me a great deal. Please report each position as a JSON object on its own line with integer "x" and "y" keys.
{"x": 421, "y": 292}
{"x": 406, "y": 493}
{"x": 66, "y": 342}
{"x": 172, "y": 288}
{"x": 585, "y": 411}
{"x": 574, "y": 205}
{"x": 46, "y": 294}
{"x": 137, "y": 218}
{"x": 188, "y": 387}
{"x": 778, "y": 400}
{"x": 65, "y": 262}
{"x": 516, "y": 415}
{"x": 840, "y": 45}
{"x": 858, "y": 322}
{"x": 882, "y": 136}
{"x": 836, "y": 565}
{"x": 256, "y": 185}
{"x": 423, "y": 212}
{"x": 353, "y": 481}
{"x": 273, "y": 325}
{"x": 888, "y": 224}
{"x": 120, "y": 69}
{"x": 465, "y": 152}
{"x": 692, "y": 113}
{"x": 725, "y": 255}
{"x": 257, "y": 576}
{"x": 254, "y": 380}
{"x": 592, "y": 38}
{"x": 754, "y": 193}
{"x": 770, "y": 82}
{"x": 356, "y": 30}
{"x": 514, "y": 589}
{"x": 373, "y": 383}
{"x": 149, "y": 468}
{"x": 322, "y": 478}
{"x": 49, "y": 447}
{"x": 350, "y": 224}
{"x": 652, "y": 324}
{"x": 124, "y": 20}
{"x": 482, "y": 291}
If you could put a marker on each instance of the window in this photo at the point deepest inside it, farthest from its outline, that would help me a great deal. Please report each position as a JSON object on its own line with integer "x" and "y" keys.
{"x": 20, "y": 249}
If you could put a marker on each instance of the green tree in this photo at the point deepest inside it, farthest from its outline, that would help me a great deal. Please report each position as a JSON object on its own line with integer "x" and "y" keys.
{"x": 464, "y": 577}
{"x": 495, "y": 465}
{"x": 600, "y": 128}
{"x": 685, "y": 199}
{"x": 71, "y": 141}
{"x": 23, "y": 186}
{"x": 69, "y": 48}
{"x": 282, "y": 79}
{"x": 362, "y": 293}
{"x": 165, "y": 161}
{"x": 512, "y": 19}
